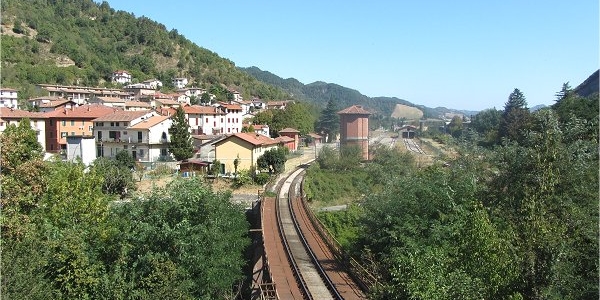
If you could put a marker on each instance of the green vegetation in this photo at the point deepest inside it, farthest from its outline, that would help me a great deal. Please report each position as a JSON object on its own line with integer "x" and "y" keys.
{"x": 300, "y": 116}
{"x": 273, "y": 160}
{"x": 180, "y": 144}
{"x": 329, "y": 121}
{"x": 515, "y": 220}
{"x": 82, "y": 43}
{"x": 64, "y": 235}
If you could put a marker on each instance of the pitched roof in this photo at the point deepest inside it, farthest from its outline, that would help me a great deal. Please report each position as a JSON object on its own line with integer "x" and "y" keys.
{"x": 88, "y": 111}
{"x": 49, "y": 98}
{"x": 166, "y": 111}
{"x": 289, "y": 130}
{"x": 9, "y": 113}
{"x": 56, "y": 103}
{"x": 354, "y": 110}
{"x": 203, "y": 110}
{"x": 315, "y": 136}
{"x": 137, "y": 104}
{"x": 148, "y": 123}
{"x": 167, "y": 101}
{"x": 252, "y": 138}
{"x": 122, "y": 116}
{"x": 284, "y": 139}
{"x": 111, "y": 99}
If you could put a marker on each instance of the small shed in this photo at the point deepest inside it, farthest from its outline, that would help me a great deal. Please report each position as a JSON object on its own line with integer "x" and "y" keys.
{"x": 193, "y": 167}
{"x": 292, "y": 133}
{"x": 314, "y": 139}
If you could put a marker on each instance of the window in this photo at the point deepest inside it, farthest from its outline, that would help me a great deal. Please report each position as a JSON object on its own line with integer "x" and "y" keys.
{"x": 215, "y": 124}
{"x": 72, "y": 133}
{"x": 72, "y": 122}
{"x": 91, "y": 128}
{"x": 163, "y": 152}
{"x": 206, "y": 120}
{"x": 1, "y": 123}
{"x": 82, "y": 123}
{"x": 63, "y": 134}
{"x": 112, "y": 124}
{"x": 124, "y": 132}
{"x": 64, "y": 123}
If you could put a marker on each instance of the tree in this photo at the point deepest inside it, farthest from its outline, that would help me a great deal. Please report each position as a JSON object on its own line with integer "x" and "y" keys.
{"x": 117, "y": 178}
{"x": 23, "y": 146}
{"x": 125, "y": 160}
{"x": 456, "y": 126}
{"x": 329, "y": 121}
{"x": 205, "y": 98}
{"x": 273, "y": 160}
{"x": 181, "y": 142}
{"x": 486, "y": 123}
{"x": 515, "y": 118}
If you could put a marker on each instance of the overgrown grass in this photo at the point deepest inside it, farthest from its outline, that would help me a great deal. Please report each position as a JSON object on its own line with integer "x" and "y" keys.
{"x": 331, "y": 187}
{"x": 343, "y": 224}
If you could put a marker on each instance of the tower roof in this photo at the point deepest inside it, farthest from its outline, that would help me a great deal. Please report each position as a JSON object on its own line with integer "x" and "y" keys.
{"x": 354, "y": 110}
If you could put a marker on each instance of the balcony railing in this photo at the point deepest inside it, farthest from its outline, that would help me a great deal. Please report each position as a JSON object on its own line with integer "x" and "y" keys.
{"x": 131, "y": 141}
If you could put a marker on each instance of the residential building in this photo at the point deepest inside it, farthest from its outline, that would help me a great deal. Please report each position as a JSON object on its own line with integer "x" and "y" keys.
{"x": 233, "y": 117}
{"x": 153, "y": 83}
{"x": 204, "y": 120}
{"x": 143, "y": 134}
{"x": 137, "y": 105}
{"x": 108, "y": 101}
{"x": 294, "y": 135}
{"x": 37, "y": 122}
{"x": 70, "y": 122}
{"x": 179, "y": 82}
{"x": 246, "y": 147}
{"x": 193, "y": 91}
{"x": 139, "y": 90}
{"x": 9, "y": 98}
{"x": 80, "y": 94}
{"x": 121, "y": 76}
{"x": 259, "y": 128}
{"x": 44, "y": 105}
{"x": 278, "y": 104}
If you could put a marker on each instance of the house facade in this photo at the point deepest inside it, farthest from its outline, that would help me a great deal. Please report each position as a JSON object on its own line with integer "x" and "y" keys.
{"x": 233, "y": 117}
{"x": 294, "y": 138}
{"x": 246, "y": 147}
{"x": 9, "y": 98}
{"x": 143, "y": 134}
{"x": 121, "y": 76}
{"x": 179, "y": 82}
{"x": 204, "y": 120}
{"x": 37, "y": 122}
{"x": 65, "y": 122}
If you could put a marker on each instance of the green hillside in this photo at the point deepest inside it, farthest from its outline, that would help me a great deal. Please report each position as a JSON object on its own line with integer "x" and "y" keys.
{"x": 82, "y": 43}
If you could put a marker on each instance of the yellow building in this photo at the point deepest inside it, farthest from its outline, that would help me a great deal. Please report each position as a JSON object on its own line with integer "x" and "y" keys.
{"x": 247, "y": 147}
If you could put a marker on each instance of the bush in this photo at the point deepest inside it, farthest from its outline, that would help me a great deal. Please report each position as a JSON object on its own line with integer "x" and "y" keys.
{"x": 261, "y": 178}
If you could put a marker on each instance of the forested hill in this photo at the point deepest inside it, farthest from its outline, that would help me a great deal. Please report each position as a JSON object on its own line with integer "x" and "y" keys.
{"x": 82, "y": 42}
{"x": 320, "y": 92}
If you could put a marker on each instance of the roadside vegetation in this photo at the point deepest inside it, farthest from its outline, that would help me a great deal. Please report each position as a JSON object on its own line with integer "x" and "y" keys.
{"x": 512, "y": 216}
{"x": 66, "y": 235}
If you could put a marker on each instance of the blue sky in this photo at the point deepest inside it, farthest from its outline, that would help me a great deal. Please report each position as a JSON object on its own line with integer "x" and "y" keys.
{"x": 457, "y": 54}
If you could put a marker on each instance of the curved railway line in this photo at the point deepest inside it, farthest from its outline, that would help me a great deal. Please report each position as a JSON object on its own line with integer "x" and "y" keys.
{"x": 411, "y": 145}
{"x": 301, "y": 261}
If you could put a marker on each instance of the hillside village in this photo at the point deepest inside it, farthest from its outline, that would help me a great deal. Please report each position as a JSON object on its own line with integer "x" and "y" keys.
{"x": 90, "y": 122}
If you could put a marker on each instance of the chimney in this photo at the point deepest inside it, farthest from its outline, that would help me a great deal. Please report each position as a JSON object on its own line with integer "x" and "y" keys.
{"x": 66, "y": 111}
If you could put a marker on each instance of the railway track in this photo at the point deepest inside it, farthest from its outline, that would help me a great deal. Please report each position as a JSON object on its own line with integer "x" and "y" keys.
{"x": 314, "y": 270}
{"x": 412, "y": 146}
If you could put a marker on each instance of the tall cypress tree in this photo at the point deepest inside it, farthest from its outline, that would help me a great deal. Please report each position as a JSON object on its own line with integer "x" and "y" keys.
{"x": 181, "y": 142}
{"x": 329, "y": 122}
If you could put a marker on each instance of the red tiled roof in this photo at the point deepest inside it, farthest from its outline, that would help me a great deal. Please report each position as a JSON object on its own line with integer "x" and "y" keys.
{"x": 122, "y": 116}
{"x": 146, "y": 124}
{"x": 166, "y": 111}
{"x": 252, "y": 138}
{"x": 8, "y": 113}
{"x": 202, "y": 110}
{"x": 284, "y": 139}
{"x": 111, "y": 99}
{"x": 315, "y": 136}
{"x": 88, "y": 111}
{"x": 137, "y": 104}
{"x": 289, "y": 130}
{"x": 56, "y": 103}
{"x": 354, "y": 109}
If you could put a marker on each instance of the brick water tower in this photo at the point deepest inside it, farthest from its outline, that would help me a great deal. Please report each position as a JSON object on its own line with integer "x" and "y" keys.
{"x": 354, "y": 129}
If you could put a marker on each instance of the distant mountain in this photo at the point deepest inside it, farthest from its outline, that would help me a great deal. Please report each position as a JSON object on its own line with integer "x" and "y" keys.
{"x": 589, "y": 86}
{"x": 320, "y": 92}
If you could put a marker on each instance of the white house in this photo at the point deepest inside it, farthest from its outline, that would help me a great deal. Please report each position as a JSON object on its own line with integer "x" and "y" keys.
{"x": 8, "y": 98}
{"x": 154, "y": 134}
{"x": 179, "y": 82}
{"x": 109, "y": 101}
{"x": 233, "y": 117}
{"x": 144, "y": 134}
{"x": 205, "y": 120}
{"x": 37, "y": 122}
{"x": 121, "y": 76}
{"x": 153, "y": 83}
{"x": 192, "y": 91}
